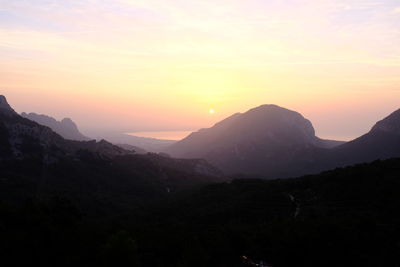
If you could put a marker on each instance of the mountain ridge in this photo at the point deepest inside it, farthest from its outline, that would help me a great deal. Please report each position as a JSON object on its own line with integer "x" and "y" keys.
{"x": 29, "y": 149}
{"x": 265, "y": 139}
{"x": 271, "y": 141}
{"x": 5, "y": 108}
{"x": 389, "y": 124}
{"x": 66, "y": 127}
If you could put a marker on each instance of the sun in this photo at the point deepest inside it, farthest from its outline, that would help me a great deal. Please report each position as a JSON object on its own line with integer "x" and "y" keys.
{"x": 211, "y": 111}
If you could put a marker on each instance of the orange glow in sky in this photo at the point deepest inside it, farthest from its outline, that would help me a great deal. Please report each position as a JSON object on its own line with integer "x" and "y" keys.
{"x": 145, "y": 65}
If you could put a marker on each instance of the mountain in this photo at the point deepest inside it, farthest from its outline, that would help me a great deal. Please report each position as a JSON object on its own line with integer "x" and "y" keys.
{"x": 78, "y": 203}
{"x": 5, "y": 108}
{"x": 69, "y": 130}
{"x": 37, "y": 162}
{"x": 66, "y": 127}
{"x": 268, "y": 141}
{"x": 381, "y": 142}
{"x": 22, "y": 138}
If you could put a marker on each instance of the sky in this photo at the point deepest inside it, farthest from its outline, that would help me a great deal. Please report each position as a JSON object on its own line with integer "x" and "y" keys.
{"x": 161, "y": 65}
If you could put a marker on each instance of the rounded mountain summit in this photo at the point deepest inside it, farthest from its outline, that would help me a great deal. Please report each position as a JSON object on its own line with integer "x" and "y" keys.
{"x": 267, "y": 140}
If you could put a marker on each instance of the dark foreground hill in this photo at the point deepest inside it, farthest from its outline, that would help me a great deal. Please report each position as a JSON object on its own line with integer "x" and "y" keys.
{"x": 344, "y": 217}
{"x": 70, "y": 203}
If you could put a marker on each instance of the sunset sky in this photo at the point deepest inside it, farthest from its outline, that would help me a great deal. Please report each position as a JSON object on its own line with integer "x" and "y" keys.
{"x": 142, "y": 65}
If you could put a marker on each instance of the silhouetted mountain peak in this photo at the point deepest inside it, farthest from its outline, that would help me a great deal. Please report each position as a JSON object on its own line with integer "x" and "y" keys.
{"x": 66, "y": 127}
{"x": 4, "y": 106}
{"x": 264, "y": 140}
{"x": 263, "y": 124}
{"x": 269, "y": 107}
{"x": 274, "y": 122}
{"x": 67, "y": 122}
{"x": 389, "y": 124}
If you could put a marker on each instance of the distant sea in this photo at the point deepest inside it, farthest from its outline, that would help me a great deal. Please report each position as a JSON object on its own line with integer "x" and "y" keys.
{"x": 179, "y": 135}
{"x": 164, "y": 135}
